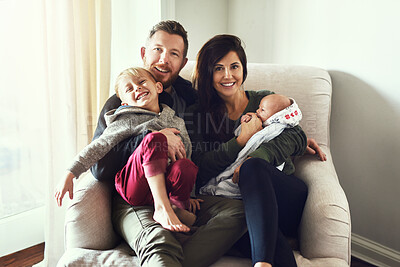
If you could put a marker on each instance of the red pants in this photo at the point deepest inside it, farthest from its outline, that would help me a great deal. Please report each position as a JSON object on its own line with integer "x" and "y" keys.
{"x": 151, "y": 158}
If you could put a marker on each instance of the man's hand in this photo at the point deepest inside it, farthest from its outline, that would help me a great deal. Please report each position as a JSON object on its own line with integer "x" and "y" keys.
{"x": 176, "y": 148}
{"x": 195, "y": 205}
{"x": 313, "y": 148}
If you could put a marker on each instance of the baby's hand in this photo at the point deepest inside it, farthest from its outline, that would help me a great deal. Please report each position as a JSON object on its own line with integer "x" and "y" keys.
{"x": 64, "y": 185}
{"x": 313, "y": 148}
{"x": 247, "y": 117}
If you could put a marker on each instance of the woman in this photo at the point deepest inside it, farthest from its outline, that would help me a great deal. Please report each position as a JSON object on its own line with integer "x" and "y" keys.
{"x": 273, "y": 199}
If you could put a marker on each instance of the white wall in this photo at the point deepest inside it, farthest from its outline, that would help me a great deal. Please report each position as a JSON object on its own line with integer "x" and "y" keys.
{"x": 253, "y": 22}
{"x": 357, "y": 41}
{"x": 131, "y": 24}
{"x": 202, "y": 20}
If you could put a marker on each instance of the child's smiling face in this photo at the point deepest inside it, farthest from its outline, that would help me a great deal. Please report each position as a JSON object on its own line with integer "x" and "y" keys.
{"x": 140, "y": 91}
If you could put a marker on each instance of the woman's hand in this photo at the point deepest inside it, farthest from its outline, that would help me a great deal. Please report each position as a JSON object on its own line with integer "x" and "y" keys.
{"x": 235, "y": 178}
{"x": 249, "y": 128}
{"x": 313, "y": 148}
{"x": 176, "y": 148}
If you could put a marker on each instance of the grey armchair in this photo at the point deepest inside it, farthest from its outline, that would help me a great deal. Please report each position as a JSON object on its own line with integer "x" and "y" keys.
{"x": 325, "y": 231}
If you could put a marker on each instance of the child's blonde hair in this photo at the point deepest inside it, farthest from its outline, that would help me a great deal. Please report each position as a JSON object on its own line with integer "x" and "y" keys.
{"x": 132, "y": 72}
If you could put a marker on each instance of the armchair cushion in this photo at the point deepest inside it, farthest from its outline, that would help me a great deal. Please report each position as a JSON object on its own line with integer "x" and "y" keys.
{"x": 88, "y": 217}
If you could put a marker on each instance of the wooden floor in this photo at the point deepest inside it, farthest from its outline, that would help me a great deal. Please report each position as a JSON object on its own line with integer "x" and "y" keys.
{"x": 24, "y": 258}
{"x": 35, "y": 254}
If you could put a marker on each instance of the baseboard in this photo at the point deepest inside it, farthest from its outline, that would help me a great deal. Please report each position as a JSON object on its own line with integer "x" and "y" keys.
{"x": 374, "y": 253}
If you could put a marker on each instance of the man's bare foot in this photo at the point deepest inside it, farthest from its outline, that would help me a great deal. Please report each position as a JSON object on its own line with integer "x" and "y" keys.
{"x": 169, "y": 220}
{"x": 185, "y": 216}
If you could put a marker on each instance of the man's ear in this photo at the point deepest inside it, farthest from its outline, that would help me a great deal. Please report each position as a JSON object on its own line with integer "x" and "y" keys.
{"x": 184, "y": 62}
{"x": 159, "y": 87}
{"x": 142, "y": 51}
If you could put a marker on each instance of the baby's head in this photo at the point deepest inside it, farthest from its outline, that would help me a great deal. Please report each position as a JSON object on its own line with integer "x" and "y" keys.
{"x": 272, "y": 104}
{"x": 137, "y": 87}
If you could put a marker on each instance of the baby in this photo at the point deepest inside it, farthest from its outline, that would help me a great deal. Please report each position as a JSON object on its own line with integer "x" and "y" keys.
{"x": 276, "y": 112}
{"x": 269, "y": 105}
{"x": 145, "y": 179}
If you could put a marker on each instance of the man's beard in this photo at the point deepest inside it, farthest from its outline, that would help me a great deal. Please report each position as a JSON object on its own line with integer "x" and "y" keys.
{"x": 166, "y": 84}
{"x": 160, "y": 78}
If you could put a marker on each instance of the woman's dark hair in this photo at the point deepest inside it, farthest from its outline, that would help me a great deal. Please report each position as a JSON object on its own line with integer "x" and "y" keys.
{"x": 212, "y": 107}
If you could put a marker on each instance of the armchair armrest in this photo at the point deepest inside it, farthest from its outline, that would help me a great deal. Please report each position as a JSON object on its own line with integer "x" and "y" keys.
{"x": 325, "y": 229}
{"x": 88, "y": 218}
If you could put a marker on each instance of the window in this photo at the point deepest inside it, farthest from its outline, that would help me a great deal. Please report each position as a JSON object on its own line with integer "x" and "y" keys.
{"x": 23, "y": 147}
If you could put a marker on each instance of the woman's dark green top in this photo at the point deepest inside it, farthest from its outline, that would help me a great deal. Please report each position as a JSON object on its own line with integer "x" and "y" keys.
{"x": 213, "y": 156}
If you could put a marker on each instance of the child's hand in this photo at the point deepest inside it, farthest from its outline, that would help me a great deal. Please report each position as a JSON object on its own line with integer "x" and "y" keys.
{"x": 194, "y": 204}
{"x": 64, "y": 185}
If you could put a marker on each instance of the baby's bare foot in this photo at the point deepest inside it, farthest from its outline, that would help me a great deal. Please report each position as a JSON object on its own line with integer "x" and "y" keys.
{"x": 185, "y": 216}
{"x": 169, "y": 220}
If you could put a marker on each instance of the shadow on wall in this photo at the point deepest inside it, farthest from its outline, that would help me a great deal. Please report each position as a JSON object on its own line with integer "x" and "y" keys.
{"x": 366, "y": 148}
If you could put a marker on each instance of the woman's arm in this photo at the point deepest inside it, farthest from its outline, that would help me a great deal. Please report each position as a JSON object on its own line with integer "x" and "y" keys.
{"x": 213, "y": 157}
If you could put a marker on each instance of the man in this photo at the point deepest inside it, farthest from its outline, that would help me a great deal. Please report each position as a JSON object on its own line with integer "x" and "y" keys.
{"x": 220, "y": 221}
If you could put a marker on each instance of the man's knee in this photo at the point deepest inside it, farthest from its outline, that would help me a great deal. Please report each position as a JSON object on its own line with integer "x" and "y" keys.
{"x": 224, "y": 209}
{"x": 233, "y": 208}
{"x": 151, "y": 242}
{"x": 156, "y": 246}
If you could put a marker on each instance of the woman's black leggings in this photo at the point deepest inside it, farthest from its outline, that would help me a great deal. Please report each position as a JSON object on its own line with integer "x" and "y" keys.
{"x": 273, "y": 203}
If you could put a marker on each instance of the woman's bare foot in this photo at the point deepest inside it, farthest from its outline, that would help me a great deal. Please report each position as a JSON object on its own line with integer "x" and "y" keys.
{"x": 185, "y": 216}
{"x": 168, "y": 220}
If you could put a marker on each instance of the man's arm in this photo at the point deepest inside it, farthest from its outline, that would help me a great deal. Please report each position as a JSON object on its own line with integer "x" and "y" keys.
{"x": 106, "y": 168}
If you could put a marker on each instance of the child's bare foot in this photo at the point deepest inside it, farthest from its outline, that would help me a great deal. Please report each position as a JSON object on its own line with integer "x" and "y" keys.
{"x": 169, "y": 220}
{"x": 185, "y": 216}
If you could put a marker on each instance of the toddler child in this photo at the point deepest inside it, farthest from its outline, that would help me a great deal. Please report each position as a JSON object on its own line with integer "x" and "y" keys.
{"x": 146, "y": 179}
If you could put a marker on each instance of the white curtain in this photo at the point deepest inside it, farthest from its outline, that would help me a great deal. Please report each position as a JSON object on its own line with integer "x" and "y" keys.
{"x": 77, "y": 36}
